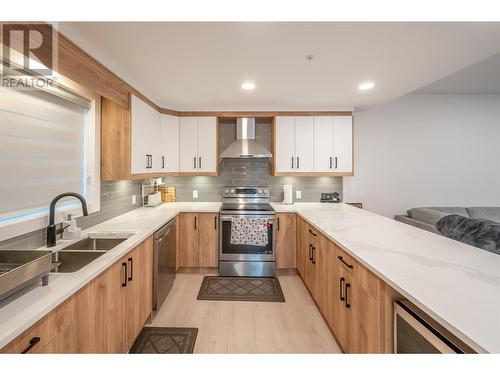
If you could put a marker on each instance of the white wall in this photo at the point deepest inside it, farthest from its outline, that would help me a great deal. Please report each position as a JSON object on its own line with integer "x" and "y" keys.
{"x": 427, "y": 150}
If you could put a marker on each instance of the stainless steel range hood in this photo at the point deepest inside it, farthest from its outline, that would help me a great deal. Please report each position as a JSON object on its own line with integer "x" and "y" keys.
{"x": 245, "y": 145}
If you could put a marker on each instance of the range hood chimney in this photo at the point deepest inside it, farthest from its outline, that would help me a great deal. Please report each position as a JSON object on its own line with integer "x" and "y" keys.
{"x": 245, "y": 145}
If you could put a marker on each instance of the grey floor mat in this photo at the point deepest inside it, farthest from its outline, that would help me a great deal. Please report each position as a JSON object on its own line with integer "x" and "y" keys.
{"x": 165, "y": 340}
{"x": 256, "y": 289}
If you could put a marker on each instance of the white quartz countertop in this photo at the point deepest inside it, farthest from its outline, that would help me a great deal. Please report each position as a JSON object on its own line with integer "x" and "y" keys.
{"x": 19, "y": 313}
{"x": 456, "y": 284}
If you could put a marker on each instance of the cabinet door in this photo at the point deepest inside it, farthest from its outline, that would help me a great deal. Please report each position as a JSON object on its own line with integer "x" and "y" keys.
{"x": 207, "y": 144}
{"x": 100, "y": 313}
{"x": 145, "y": 279}
{"x": 188, "y": 255}
{"x": 145, "y": 143}
{"x": 188, "y": 144}
{"x": 344, "y": 307}
{"x": 342, "y": 144}
{"x": 368, "y": 319}
{"x": 169, "y": 145}
{"x": 304, "y": 144}
{"x": 207, "y": 239}
{"x": 285, "y": 144}
{"x": 66, "y": 340}
{"x": 323, "y": 144}
{"x": 286, "y": 241}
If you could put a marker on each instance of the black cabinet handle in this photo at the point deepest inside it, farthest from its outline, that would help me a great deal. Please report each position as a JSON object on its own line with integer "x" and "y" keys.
{"x": 335, "y": 162}
{"x": 194, "y": 162}
{"x": 313, "y": 257}
{"x": 330, "y": 162}
{"x": 131, "y": 269}
{"x": 347, "y": 287}
{"x": 342, "y": 281}
{"x": 298, "y": 165}
{"x": 215, "y": 222}
{"x": 147, "y": 161}
{"x": 343, "y": 261}
{"x": 163, "y": 162}
{"x": 35, "y": 340}
{"x": 199, "y": 162}
{"x": 292, "y": 162}
{"x": 124, "y": 265}
{"x": 314, "y": 234}
{"x": 195, "y": 222}
{"x": 310, "y": 253}
{"x": 278, "y": 223}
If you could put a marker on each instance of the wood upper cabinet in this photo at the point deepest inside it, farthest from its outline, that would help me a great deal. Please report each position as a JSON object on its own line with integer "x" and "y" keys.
{"x": 198, "y": 146}
{"x": 286, "y": 247}
{"x": 293, "y": 144}
{"x": 198, "y": 240}
{"x": 115, "y": 141}
{"x": 54, "y": 333}
{"x": 114, "y": 307}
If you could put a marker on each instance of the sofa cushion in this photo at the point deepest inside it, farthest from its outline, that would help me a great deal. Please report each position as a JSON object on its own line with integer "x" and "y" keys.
{"x": 489, "y": 213}
{"x": 481, "y": 233}
{"x": 448, "y": 210}
{"x": 426, "y": 215}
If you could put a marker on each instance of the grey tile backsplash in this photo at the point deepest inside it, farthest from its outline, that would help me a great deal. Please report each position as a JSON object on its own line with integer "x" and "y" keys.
{"x": 116, "y": 195}
{"x": 241, "y": 172}
{"x": 115, "y": 200}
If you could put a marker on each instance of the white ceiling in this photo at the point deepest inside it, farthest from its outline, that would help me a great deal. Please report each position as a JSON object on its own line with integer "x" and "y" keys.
{"x": 200, "y": 66}
{"x": 480, "y": 78}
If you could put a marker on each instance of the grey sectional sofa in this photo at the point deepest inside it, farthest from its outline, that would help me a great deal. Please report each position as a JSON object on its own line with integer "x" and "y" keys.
{"x": 427, "y": 217}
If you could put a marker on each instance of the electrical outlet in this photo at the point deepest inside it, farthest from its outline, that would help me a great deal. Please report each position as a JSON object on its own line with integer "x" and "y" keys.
{"x": 195, "y": 194}
{"x": 134, "y": 199}
{"x": 298, "y": 194}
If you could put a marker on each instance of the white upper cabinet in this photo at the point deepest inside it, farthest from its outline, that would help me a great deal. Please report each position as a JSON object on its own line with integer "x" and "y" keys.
{"x": 342, "y": 144}
{"x": 169, "y": 144}
{"x": 323, "y": 144}
{"x": 145, "y": 142}
{"x": 285, "y": 144}
{"x": 294, "y": 144}
{"x": 198, "y": 145}
{"x": 207, "y": 144}
{"x": 304, "y": 143}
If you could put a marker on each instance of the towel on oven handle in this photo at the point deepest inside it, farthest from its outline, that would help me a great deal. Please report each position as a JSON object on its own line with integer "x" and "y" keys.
{"x": 249, "y": 231}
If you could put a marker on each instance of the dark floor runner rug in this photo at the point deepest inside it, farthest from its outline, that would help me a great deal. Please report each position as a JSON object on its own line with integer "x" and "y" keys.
{"x": 165, "y": 340}
{"x": 256, "y": 289}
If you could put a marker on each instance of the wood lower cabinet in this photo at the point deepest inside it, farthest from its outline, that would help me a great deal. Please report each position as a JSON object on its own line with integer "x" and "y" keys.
{"x": 286, "y": 246}
{"x": 198, "y": 240}
{"x": 113, "y": 308}
{"x": 354, "y": 302}
{"x": 54, "y": 333}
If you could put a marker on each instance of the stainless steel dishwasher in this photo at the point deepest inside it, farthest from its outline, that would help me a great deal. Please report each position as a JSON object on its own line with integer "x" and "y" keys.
{"x": 164, "y": 262}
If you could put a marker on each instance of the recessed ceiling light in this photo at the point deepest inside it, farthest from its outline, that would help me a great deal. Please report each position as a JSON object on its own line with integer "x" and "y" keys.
{"x": 366, "y": 86}
{"x": 248, "y": 86}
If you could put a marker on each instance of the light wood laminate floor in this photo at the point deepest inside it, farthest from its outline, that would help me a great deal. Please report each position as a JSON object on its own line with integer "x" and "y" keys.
{"x": 294, "y": 326}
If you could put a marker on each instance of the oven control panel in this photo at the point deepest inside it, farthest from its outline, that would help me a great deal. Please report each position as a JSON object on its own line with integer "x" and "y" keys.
{"x": 246, "y": 191}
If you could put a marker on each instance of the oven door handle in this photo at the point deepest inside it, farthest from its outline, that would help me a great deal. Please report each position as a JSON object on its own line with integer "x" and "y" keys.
{"x": 269, "y": 217}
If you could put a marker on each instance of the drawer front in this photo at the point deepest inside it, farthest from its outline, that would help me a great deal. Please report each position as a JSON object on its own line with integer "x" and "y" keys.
{"x": 38, "y": 336}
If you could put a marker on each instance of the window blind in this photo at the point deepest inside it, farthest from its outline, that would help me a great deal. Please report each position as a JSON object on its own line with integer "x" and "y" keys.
{"x": 42, "y": 150}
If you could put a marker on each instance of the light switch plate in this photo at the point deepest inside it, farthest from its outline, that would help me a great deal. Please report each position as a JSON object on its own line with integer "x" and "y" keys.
{"x": 134, "y": 199}
{"x": 195, "y": 194}
{"x": 298, "y": 194}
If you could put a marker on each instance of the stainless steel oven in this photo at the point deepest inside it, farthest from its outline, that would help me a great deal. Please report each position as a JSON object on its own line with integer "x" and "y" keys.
{"x": 416, "y": 332}
{"x": 243, "y": 259}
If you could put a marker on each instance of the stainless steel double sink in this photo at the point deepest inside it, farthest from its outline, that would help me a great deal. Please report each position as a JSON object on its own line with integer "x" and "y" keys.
{"x": 77, "y": 255}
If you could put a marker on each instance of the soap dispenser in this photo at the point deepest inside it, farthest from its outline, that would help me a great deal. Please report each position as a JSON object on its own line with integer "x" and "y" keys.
{"x": 71, "y": 231}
